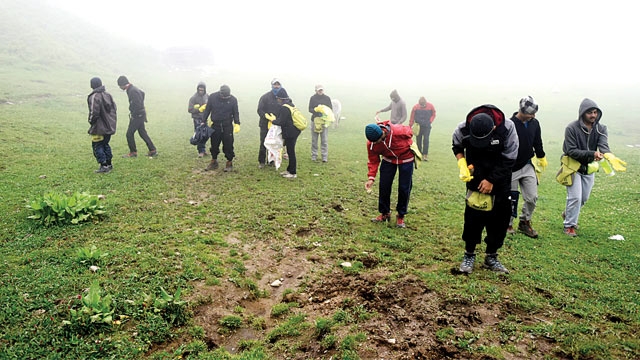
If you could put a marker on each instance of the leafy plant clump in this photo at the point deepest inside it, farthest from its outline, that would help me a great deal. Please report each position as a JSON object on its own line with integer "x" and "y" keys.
{"x": 96, "y": 312}
{"x": 59, "y": 209}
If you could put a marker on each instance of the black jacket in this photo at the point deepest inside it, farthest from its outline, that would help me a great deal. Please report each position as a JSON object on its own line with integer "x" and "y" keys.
{"x": 530, "y": 140}
{"x": 222, "y": 110}
{"x": 316, "y": 100}
{"x": 267, "y": 104}
{"x": 102, "y": 112}
{"x": 285, "y": 121}
{"x": 136, "y": 102}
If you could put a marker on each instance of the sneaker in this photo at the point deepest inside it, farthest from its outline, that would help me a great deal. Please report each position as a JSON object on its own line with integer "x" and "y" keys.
{"x": 467, "y": 263}
{"x": 424, "y": 157}
{"x": 284, "y": 173}
{"x": 290, "y": 176}
{"x": 130, "y": 155}
{"x": 228, "y": 167}
{"x": 212, "y": 165}
{"x": 381, "y": 218}
{"x": 570, "y": 231}
{"x": 201, "y": 154}
{"x": 525, "y": 227}
{"x": 324, "y": 160}
{"x": 285, "y": 157}
{"x": 400, "y": 222}
{"x": 314, "y": 159}
{"x": 103, "y": 169}
{"x": 261, "y": 166}
{"x": 491, "y": 262}
{"x": 152, "y": 153}
{"x": 511, "y": 230}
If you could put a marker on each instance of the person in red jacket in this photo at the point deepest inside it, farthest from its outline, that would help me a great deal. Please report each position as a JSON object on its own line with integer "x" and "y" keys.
{"x": 388, "y": 148}
{"x": 423, "y": 113}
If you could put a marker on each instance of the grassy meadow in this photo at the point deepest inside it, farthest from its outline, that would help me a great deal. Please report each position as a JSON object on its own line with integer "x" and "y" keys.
{"x": 187, "y": 256}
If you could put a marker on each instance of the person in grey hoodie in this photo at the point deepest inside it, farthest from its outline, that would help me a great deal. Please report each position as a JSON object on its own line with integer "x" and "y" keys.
{"x": 398, "y": 108}
{"x": 585, "y": 140}
{"x": 102, "y": 121}
{"x": 198, "y": 100}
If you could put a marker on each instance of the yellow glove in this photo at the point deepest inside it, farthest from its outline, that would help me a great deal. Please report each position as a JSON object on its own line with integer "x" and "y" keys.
{"x": 542, "y": 163}
{"x": 617, "y": 164}
{"x": 318, "y": 109}
{"x": 202, "y": 108}
{"x": 465, "y": 174}
{"x": 592, "y": 167}
{"x": 269, "y": 125}
{"x": 270, "y": 116}
{"x": 236, "y": 128}
{"x": 196, "y": 106}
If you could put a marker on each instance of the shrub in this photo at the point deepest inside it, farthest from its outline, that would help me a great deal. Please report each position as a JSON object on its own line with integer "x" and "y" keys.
{"x": 59, "y": 209}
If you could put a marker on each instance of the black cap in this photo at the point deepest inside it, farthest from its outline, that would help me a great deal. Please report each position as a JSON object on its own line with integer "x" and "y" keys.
{"x": 225, "y": 91}
{"x": 122, "y": 80}
{"x": 282, "y": 94}
{"x": 481, "y": 127}
{"x": 96, "y": 83}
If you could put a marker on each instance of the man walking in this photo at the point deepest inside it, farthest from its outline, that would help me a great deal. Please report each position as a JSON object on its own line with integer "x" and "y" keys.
{"x": 137, "y": 118}
{"x": 268, "y": 104}
{"x": 423, "y": 113}
{"x": 103, "y": 119}
{"x": 225, "y": 119}
{"x": 398, "y": 108}
{"x": 196, "y": 102}
{"x": 317, "y": 126}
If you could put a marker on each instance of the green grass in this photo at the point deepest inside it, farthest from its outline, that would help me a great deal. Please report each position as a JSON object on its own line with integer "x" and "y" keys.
{"x": 169, "y": 227}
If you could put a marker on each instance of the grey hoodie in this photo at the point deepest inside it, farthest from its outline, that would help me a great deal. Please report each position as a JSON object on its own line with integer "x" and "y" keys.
{"x": 580, "y": 143}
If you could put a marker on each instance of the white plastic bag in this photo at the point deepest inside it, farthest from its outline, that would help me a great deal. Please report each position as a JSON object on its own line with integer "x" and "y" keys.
{"x": 274, "y": 144}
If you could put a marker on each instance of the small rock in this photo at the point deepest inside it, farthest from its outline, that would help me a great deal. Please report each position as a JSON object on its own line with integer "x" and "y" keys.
{"x": 391, "y": 341}
{"x": 93, "y": 268}
{"x": 276, "y": 283}
{"x": 101, "y": 197}
{"x": 346, "y": 264}
{"x": 42, "y": 176}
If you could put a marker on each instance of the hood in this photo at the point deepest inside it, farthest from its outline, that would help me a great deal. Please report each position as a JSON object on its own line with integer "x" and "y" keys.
{"x": 496, "y": 114}
{"x": 587, "y": 104}
{"x": 201, "y": 84}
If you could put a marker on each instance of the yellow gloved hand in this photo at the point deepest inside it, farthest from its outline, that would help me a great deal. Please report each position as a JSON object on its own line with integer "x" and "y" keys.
{"x": 236, "y": 128}
{"x": 592, "y": 167}
{"x": 542, "y": 163}
{"x": 318, "y": 109}
{"x": 270, "y": 116}
{"x": 196, "y": 106}
{"x": 269, "y": 125}
{"x": 465, "y": 174}
{"x": 202, "y": 108}
{"x": 617, "y": 164}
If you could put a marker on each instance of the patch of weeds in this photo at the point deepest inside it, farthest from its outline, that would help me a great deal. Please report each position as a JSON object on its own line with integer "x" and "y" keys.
{"x": 465, "y": 341}
{"x": 355, "y": 268}
{"x": 154, "y": 329}
{"x": 351, "y": 313}
{"x": 445, "y": 334}
{"x": 329, "y": 342}
{"x": 257, "y": 322}
{"x": 194, "y": 348}
{"x": 197, "y": 332}
{"x": 323, "y": 327}
{"x": 213, "y": 282}
{"x": 171, "y": 307}
{"x": 90, "y": 256}
{"x": 244, "y": 345}
{"x": 238, "y": 310}
{"x": 292, "y": 327}
{"x": 59, "y": 209}
{"x": 282, "y": 308}
{"x": 95, "y": 314}
{"x": 230, "y": 323}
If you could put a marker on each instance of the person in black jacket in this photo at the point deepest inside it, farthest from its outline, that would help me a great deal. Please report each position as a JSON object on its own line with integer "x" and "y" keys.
{"x": 317, "y": 128}
{"x": 486, "y": 147}
{"x": 523, "y": 171}
{"x": 268, "y": 104}
{"x": 290, "y": 133}
{"x": 199, "y": 99}
{"x": 103, "y": 120}
{"x": 137, "y": 118}
{"x": 225, "y": 120}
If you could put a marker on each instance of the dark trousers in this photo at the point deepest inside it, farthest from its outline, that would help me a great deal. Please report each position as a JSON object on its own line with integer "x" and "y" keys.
{"x": 405, "y": 182}
{"x": 223, "y": 134}
{"x": 495, "y": 222}
{"x": 196, "y": 123}
{"x": 423, "y": 138}
{"x": 290, "y": 143}
{"x": 102, "y": 150}
{"x": 137, "y": 124}
{"x": 262, "y": 154}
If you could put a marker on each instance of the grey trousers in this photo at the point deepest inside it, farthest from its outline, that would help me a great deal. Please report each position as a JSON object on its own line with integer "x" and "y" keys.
{"x": 526, "y": 179}
{"x": 324, "y": 145}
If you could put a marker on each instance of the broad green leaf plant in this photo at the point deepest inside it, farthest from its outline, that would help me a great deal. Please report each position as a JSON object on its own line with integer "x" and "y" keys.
{"x": 59, "y": 209}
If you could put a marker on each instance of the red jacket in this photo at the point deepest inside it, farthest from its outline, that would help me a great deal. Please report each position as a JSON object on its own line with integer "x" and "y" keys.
{"x": 428, "y": 109}
{"x": 395, "y": 148}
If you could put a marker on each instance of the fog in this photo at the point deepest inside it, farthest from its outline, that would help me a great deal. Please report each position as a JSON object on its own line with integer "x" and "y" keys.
{"x": 550, "y": 42}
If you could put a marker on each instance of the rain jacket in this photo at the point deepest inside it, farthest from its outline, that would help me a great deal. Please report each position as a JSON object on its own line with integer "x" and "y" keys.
{"x": 102, "y": 112}
{"x": 197, "y": 99}
{"x": 580, "y": 143}
{"x": 423, "y": 115}
{"x": 136, "y": 102}
{"x": 395, "y": 148}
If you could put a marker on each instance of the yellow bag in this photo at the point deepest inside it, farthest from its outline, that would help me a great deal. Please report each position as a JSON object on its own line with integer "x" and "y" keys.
{"x": 479, "y": 201}
{"x": 417, "y": 154}
{"x": 570, "y": 166}
{"x": 97, "y": 138}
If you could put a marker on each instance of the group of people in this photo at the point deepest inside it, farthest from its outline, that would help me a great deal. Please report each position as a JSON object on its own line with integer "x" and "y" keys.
{"x": 498, "y": 158}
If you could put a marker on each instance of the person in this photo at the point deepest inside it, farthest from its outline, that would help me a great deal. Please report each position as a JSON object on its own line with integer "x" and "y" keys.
{"x": 319, "y": 98}
{"x": 268, "y": 104}
{"x": 487, "y": 143}
{"x": 398, "y": 108}
{"x": 389, "y": 149}
{"x": 523, "y": 173}
{"x": 103, "y": 120}
{"x": 290, "y": 133}
{"x": 423, "y": 113}
{"x": 137, "y": 118}
{"x": 585, "y": 141}
{"x": 199, "y": 99}
{"x": 225, "y": 121}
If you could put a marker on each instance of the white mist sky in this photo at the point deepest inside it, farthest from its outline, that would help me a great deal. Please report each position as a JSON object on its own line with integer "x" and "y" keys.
{"x": 461, "y": 41}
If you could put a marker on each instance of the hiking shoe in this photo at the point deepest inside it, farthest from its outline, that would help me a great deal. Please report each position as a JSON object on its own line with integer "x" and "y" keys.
{"x": 212, "y": 165}
{"x": 284, "y": 173}
{"x": 381, "y": 218}
{"x": 130, "y": 155}
{"x": 424, "y": 157}
{"x": 103, "y": 169}
{"x": 261, "y": 166}
{"x": 201, "y": 154}
{"x": 511, "y": 230}
{"x": 570, "y": 231}
{"x": 467, "y": 263}
{"x": 525, "y": 227}
{"x": 290, "y": 176}
{"x": 400, "y": 222}
{"x": 491, "y": 262}
{"x": 228, "y": 167}
{"x": 152, "y": 153}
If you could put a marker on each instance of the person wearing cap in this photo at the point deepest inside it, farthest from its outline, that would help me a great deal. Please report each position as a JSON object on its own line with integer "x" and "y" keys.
{"x": 398, "y": 108}
{"x": 225, "y": 120}
{"x": 268, "y": 104}
{"x": 102, "y": 120}
{"x": 486, "y": 147}
{"x": 585, "y": 141}
{"x": 389, "y": 150}
{"x": 198, "y": 100}
{"x": 523, "y": 173}
{"x": 319, "y": 98}
{"x": 290, "y": 133}
{"x": 137, "y": 118}
{"x": 423, "y": 113}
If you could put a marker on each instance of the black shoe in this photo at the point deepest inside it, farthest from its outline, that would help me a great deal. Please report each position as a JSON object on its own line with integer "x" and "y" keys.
{"x": 491, "y": 262}
{"x": 212, "y": 165}
{"x": 103, "y": 169}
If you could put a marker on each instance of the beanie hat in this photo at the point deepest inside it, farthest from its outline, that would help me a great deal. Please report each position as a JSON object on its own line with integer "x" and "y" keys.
{"x": 480, "y": 128}
{"x": 373, "y": 132}
{"x": 122, "y": 80}
{"x": 225, "y": 91}
{"x": 528, "y": 105}
{"x": 282, "y": 94}
{"x": 96, "y": 82}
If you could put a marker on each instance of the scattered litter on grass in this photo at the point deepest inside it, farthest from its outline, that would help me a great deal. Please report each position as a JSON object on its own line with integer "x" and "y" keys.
{"x": 616, "y": 237}
{"x": 346, "y": 264}
{"x": 93, "y": 268}
{"x": 276, "y": 283}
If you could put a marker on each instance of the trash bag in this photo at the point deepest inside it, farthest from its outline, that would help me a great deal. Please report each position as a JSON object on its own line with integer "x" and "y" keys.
{"x": 274, "y": 144}
{"x": 201, "y": 135}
